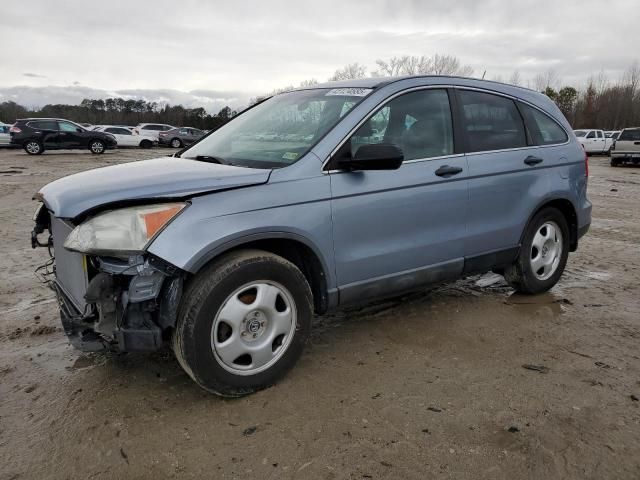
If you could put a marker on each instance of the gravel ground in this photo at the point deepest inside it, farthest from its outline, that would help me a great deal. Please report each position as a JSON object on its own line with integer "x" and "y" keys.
{"x": 431, "y": 385}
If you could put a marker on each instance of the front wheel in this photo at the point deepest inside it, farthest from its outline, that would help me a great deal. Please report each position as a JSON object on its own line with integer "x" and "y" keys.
{"x": 146, "y": 144}
{"x": 543, "y": 254}
{"x": 176, "y": 143}
{"x": 97, "y": 146}
{"x": 243, "y": 322}
{"x": 33, "y": 147}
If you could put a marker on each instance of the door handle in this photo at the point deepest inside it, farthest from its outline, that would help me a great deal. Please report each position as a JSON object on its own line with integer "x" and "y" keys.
{"x": 531, "y": 160}
{"x": 447, "y": 171}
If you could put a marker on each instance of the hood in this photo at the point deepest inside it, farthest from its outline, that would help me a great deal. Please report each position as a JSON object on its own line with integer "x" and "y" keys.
{"x": 161, "y": 178}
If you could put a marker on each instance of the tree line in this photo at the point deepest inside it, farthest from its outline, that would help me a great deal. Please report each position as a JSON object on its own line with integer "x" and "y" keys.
{"x": 600, "y": 103}
{"x": 118, "y": 111}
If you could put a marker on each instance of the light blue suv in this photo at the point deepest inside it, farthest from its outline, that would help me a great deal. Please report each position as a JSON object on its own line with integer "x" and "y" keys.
{"x": 309, "y": 201}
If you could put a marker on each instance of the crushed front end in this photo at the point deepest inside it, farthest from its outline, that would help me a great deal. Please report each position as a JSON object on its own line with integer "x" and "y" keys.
{"x": 111, "y": 300}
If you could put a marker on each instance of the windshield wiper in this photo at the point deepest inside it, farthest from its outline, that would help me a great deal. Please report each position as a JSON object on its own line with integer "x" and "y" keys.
{"x": 211, "y": 159}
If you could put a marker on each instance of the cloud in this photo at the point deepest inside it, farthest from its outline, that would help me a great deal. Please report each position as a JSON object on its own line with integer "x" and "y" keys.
{"x": 257, "y": 46}
{"x": 33, "y": 75}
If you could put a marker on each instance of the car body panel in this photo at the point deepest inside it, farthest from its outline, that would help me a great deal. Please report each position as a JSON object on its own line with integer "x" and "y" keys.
{"x": 155, "y": 179}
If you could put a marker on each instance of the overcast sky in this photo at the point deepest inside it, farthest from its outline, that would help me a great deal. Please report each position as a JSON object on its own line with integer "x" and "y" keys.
{"x": 213, "y": 53}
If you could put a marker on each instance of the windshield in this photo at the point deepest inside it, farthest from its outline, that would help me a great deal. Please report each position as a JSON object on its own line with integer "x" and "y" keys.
{"x": 580, "y": 133}
{"x": 279, "y": 131}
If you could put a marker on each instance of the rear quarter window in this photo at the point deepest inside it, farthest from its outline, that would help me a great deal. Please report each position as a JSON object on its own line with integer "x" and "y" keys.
{"x": 542, "y": 128}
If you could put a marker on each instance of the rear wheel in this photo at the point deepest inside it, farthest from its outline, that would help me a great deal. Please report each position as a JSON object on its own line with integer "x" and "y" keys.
{"x": 615, "y": 162}
{"x": 176, "y": 143}
{"x": 33, "y": 147}
{"x": 97, "y": 146}
{"x": 146, "y": 144}
{"x": 543, "y": 254}
{"x": 243, "y": 322}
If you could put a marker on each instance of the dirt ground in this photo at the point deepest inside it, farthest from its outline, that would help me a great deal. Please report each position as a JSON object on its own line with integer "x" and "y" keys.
{"x": 428, "y": 386}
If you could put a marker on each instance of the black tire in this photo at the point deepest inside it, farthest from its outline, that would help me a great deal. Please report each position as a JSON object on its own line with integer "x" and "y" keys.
{"x": 520, "y": 274}
{"x": 146, "y": 144}
{"x": 97, "y": 146}
{"x": 208, "y": 292}
{"x": 615, "y": 162}
{"x": 33, "y": 147}
{"x": 175, "y": 143}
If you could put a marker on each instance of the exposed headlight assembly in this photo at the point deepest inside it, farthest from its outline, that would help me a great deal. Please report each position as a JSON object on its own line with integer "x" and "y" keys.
{"x": 122, "y": 231}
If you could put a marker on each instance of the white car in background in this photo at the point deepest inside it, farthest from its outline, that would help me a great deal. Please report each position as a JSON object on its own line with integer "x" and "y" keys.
{"x": 594, "y": 141}
{"x": 5, "y": 139}
{"x": 126, "y": 137}
{"x": 152, "y": 129}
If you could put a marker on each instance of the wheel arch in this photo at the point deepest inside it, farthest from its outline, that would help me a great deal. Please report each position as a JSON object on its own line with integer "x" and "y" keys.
{"x": 293, "y": 247}
{"x": 568, "y": 210}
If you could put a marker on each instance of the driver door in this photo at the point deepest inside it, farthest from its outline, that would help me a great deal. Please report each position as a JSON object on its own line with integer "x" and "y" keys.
{"x": 397, "y": 229}
{"x": 70, "y": 135}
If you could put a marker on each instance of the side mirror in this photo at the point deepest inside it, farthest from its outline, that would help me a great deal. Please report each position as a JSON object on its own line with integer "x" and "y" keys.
{"x": 378, "y": 156}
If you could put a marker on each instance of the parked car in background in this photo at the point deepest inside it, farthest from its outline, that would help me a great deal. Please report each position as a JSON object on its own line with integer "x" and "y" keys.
{"x": 612, "y": 134}
{"x": 5, "y": 138}
{"x": 152, "y": 129}
{"x": 594, "y": 141}
{"x": 36, "y": 135}
{"x": 179, "y": 137}
{"x": 127, "y": 138}
{"x": 626, "y": 147}
{"x": 228, "y": 250}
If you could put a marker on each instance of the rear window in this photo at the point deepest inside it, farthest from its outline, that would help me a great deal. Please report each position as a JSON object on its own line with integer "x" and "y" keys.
{"x": 491, "y": 122}
{"x": 630, "y": 135}
{"x": 543, "y": 129}
{"x": 580, "y": 133}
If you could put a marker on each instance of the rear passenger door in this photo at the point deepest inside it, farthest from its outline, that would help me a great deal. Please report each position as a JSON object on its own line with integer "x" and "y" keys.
{"x": 396, "y": 229}
{"x": 506, "y": 176}
{"x": 46, "y": 131}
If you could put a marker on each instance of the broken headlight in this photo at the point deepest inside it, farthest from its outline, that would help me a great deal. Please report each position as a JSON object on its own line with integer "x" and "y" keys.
{"x": 122, "y": 231}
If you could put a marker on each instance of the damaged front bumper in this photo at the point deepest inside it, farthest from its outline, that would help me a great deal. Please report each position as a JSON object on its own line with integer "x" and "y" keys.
{"x": 107, "y": 303}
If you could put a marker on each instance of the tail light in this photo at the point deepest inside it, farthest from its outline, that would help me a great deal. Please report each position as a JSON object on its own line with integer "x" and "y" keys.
{"x": 586, "y": 163}
{"x": 14, "y": 129}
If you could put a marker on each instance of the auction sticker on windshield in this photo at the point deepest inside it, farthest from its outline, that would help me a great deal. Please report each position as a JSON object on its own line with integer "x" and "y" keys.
{"x": 351, "y": 92}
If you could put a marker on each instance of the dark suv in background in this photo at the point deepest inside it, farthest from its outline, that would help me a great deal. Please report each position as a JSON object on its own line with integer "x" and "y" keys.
{"x": 36, "y": 135}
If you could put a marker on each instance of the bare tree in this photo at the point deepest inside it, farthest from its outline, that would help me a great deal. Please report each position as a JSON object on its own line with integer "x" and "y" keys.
{"x": 391, "y": 68}
{"x": 449, "y": 65}
{"x": 548, "y": 79}
{"x": 422, "y": 65}
{"x": 515, "y": 78}
{"x": 308, "y": 83}
{"x": 350, "y": 71}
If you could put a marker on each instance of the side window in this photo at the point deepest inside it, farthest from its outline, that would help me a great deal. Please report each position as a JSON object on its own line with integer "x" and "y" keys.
{"x": 67, "y": 127}
{"x": 418, "y": 122}
{"x": 123, "y": 131}
{"x": 591, "y": 134}
{"x": 543, "y": 129}
{"x": 112, "y": 130}
{"x": 44, "y": 125}
{"x": 183, "y": 131}
{"x": 491, "y": 122}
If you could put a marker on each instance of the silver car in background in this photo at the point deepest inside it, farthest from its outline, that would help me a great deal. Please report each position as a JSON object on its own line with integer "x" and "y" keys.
{"x": 5, "y": 138}
{"x": 180, "y": 137}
